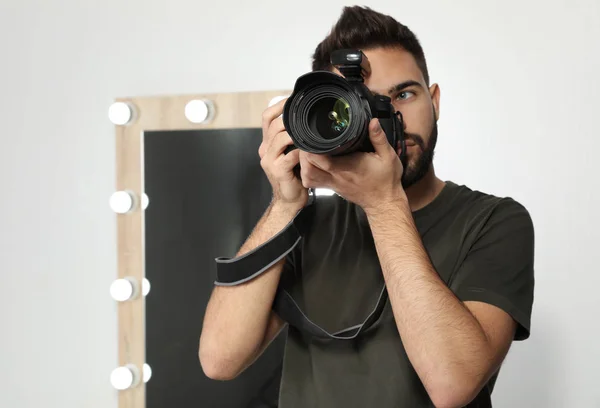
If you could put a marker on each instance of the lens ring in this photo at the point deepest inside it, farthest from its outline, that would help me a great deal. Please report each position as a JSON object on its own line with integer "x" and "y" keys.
{"x": 305, "y": 137}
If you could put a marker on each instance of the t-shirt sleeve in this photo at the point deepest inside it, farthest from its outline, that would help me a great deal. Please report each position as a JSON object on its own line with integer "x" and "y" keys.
{"x": 499, "y": 267}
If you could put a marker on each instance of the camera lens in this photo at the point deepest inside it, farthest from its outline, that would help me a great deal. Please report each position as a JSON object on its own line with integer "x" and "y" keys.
{"x": 329, "y": 117}
{"x": 325, "y": 115}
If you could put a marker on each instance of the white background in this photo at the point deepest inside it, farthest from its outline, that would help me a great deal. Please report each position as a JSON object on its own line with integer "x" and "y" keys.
{"x": 520, "y": 88}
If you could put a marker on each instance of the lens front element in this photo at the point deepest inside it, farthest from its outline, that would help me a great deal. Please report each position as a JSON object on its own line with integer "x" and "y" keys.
{"x": 329, "y": 117}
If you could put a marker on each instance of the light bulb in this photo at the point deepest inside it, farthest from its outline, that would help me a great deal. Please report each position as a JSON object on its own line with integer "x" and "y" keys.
{"x": 145, "y": 287}
{"x": 147, "y": 373}
{"x": 124, "y": 377}
{"x": 120, "y": 113}
{"x": 199, "y": 110}
{"x": 121, "y": 378}
{"x": 123, "y": 289}
{"x": 121, "y": 202}
{"x": 145, "y": 201}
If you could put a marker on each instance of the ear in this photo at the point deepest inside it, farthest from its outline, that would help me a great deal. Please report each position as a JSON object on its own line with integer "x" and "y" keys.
{"x": 434, "y": 91}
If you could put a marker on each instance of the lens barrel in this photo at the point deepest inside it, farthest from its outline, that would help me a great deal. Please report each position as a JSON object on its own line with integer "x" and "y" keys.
{"x": 325, "y": 115}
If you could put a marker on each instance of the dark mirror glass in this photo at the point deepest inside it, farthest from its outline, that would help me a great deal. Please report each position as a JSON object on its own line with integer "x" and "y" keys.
{"x": 206, "y": 191}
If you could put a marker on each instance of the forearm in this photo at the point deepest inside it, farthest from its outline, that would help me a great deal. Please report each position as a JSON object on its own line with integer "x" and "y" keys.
{"x": 236, "y": 318}
{"x": 443, "y": 340}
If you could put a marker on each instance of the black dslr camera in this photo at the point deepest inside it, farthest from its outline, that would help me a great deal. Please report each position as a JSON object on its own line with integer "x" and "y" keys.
{"x": 330, "y": 114}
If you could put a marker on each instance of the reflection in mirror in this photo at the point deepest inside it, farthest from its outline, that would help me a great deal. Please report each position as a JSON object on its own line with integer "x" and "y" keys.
{"x": 207, "y": 191}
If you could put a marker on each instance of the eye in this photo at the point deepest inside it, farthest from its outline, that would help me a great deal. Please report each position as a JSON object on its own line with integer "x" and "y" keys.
{"x": 404, "y": 95}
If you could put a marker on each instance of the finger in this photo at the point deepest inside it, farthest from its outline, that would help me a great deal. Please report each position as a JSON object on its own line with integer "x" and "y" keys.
{"x": 378, "y": 138}
{"x": 274, "y": 128}
{"x": 312, "y": 176}
{"x": 290, "y": 159}
{"x": 278, "y": 145}
{"x": 321, "y": 161}
{"x": 270, "y": 114}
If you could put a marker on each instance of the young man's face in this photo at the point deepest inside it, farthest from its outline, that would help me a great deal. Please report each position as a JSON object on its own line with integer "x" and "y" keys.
{"x": 394, "y": 73}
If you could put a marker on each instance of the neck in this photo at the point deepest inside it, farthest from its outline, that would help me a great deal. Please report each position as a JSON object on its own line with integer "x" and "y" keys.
{"x": 424, "y": 191}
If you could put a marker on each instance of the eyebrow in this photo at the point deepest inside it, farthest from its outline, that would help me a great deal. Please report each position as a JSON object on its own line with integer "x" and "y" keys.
{"x": 403, "y": 85}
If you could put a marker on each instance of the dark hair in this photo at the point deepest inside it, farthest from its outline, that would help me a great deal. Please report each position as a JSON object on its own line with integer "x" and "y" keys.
{"x": 362, "y": 28}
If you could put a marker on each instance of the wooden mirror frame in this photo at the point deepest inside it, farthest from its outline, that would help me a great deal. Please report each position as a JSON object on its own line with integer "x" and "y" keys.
{"x": 163, "y": 113}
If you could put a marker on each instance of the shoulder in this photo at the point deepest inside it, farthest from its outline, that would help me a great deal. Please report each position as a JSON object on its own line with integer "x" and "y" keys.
{"x": 486, "y": 210}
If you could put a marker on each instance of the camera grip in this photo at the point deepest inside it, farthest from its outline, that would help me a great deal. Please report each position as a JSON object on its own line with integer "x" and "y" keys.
{"x": 394, "y": 131}
{"x": 388, "y": 127}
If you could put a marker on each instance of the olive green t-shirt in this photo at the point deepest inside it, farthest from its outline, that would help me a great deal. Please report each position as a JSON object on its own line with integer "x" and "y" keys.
{"x": 482, "y": 247}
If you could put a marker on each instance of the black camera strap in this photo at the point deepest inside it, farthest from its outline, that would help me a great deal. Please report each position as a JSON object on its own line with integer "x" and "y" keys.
{"x": 288, "y": 310}
{"x": 235, "y": 271}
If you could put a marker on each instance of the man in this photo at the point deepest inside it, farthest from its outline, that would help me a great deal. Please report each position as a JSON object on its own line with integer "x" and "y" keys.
{"x": 457, "y": 263}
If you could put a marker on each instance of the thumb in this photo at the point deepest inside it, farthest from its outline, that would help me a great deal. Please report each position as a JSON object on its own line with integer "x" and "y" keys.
{"x": 378, "y": 137}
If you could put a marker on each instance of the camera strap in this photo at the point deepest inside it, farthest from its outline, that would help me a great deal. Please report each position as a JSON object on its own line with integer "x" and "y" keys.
{"x": 288, "y": 310}
{"x": 235, "y": 271}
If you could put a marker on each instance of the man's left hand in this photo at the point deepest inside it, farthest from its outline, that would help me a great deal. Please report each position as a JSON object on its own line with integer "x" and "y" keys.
{"x": 367, "y": 179}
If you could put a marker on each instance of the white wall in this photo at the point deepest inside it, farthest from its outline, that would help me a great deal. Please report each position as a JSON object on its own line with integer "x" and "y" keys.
{"x": 520, "y": 90}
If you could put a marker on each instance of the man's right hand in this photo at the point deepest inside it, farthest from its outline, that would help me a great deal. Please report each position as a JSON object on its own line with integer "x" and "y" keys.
{"x": 277, "y": 165}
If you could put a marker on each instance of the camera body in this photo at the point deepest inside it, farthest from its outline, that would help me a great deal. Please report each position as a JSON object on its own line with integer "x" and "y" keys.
{"x": 330, "y": 114}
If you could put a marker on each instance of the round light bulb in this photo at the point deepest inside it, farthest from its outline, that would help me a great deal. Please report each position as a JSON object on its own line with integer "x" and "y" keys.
{"x": 277, "y": 99}
{"x": 124, "y": 377}
{"x": 123, "y": 289}
{"x": 120, "y": 113}
{"x": 145, "y": 201}
{"x": 145, "y": 287}
{"x": 199, "y": 110}
{"x": 121, "y": 202}
{"x": 147, "y": 372}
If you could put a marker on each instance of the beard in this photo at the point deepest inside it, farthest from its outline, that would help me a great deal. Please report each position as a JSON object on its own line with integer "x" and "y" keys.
{"x": 417, "y": 167}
